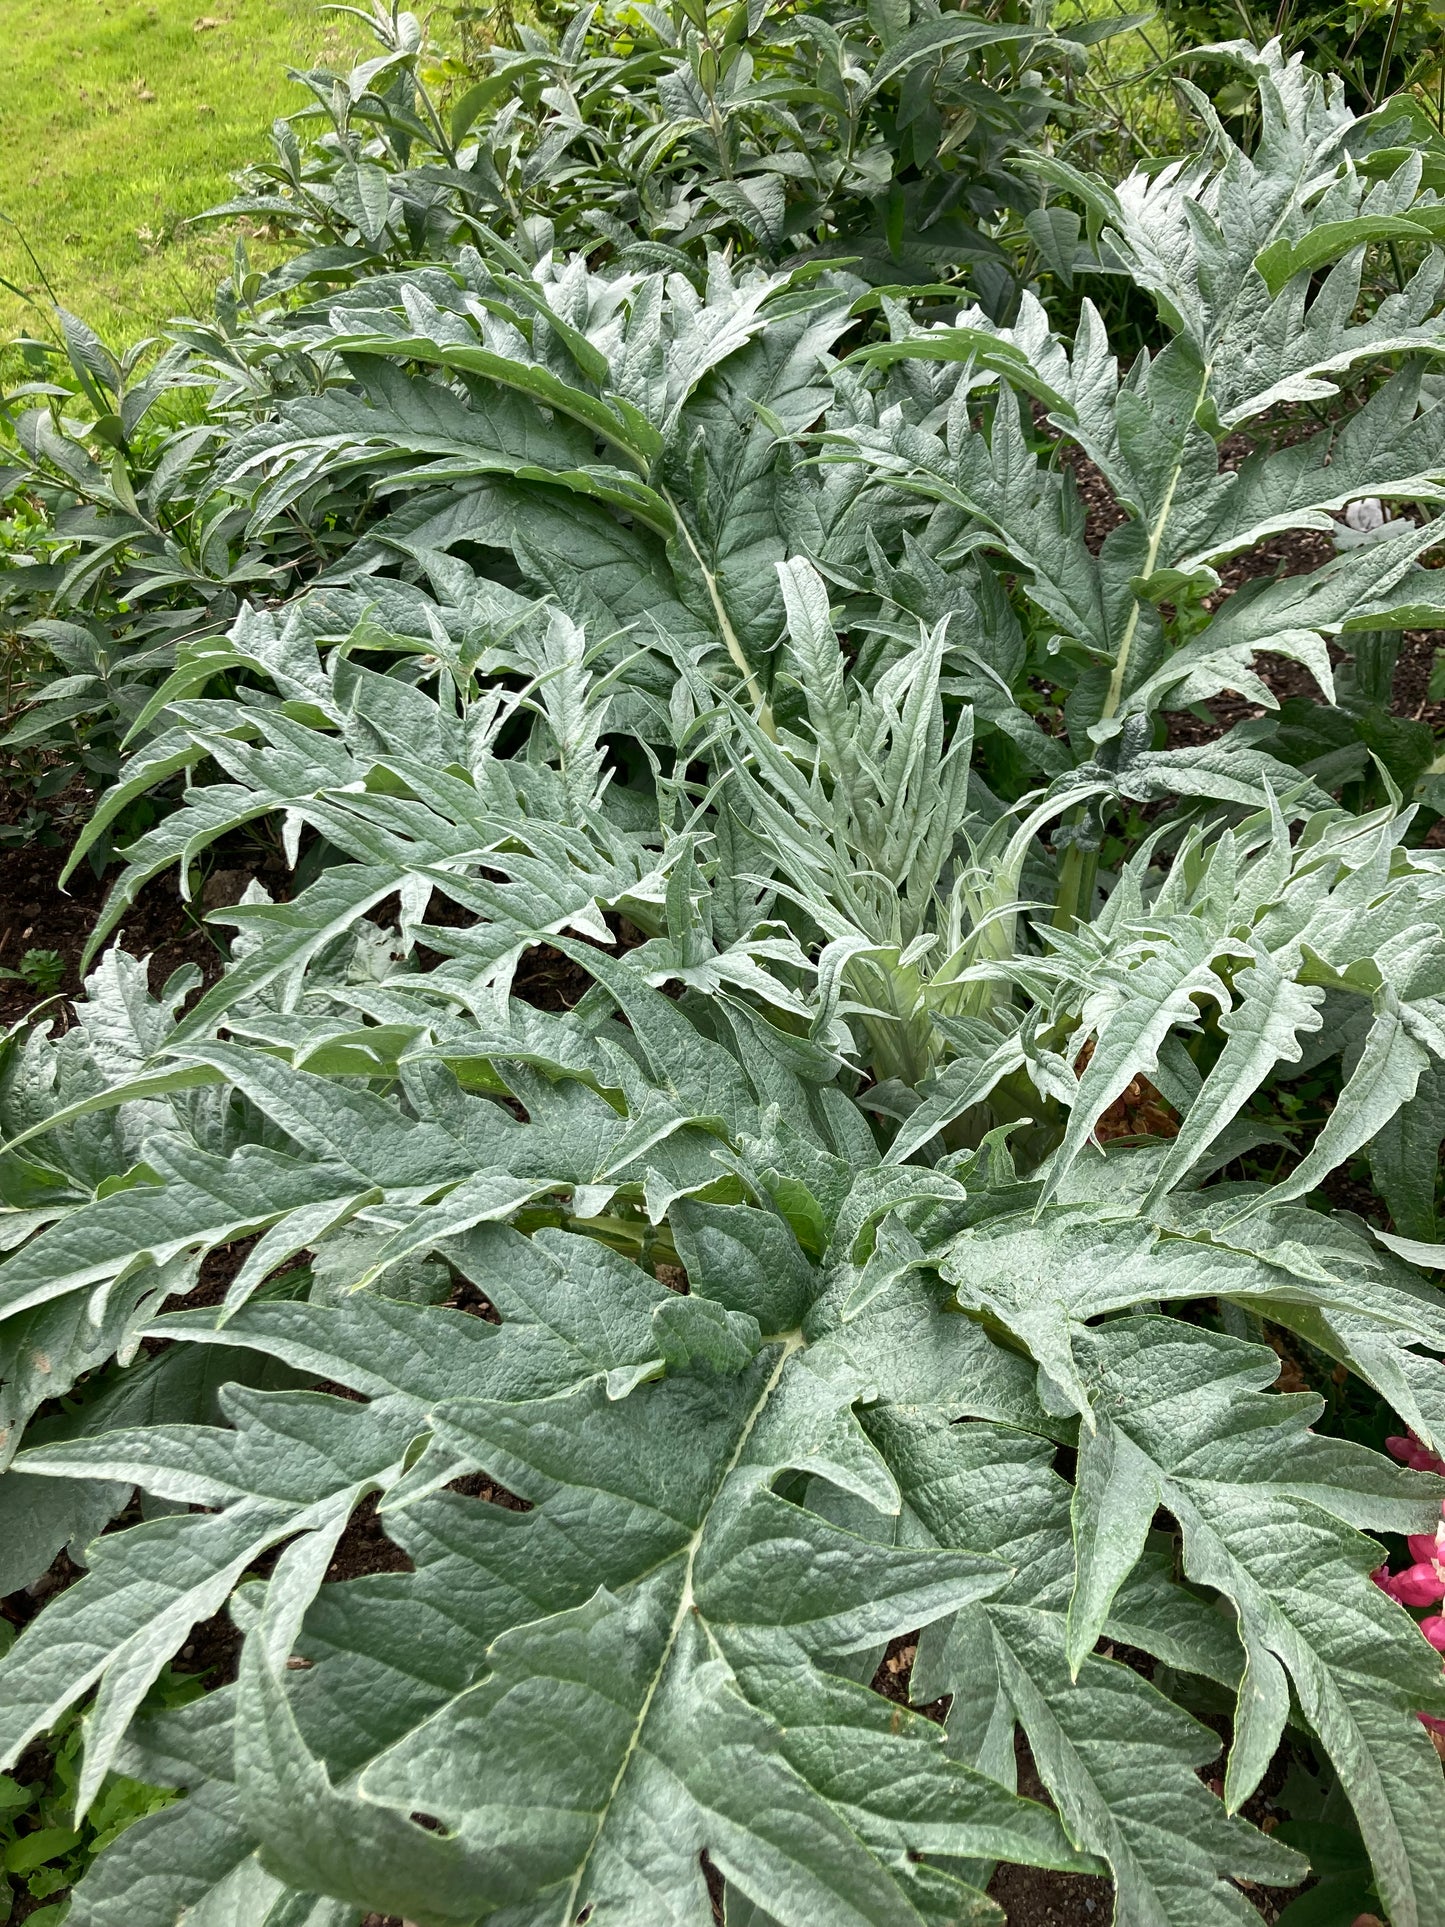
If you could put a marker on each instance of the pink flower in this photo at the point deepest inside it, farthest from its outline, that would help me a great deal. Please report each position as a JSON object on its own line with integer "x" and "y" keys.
{"x": 1410, "y": 1451}
{"x": 1418, "y": 1585}
{"x": 1422, "y": 1583}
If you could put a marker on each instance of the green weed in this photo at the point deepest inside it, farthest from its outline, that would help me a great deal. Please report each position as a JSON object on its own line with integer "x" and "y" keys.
{"x": 42, "y": 1854}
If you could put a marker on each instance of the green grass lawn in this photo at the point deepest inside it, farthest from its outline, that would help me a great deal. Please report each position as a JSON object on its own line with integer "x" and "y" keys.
{"x": 120, "y": 118}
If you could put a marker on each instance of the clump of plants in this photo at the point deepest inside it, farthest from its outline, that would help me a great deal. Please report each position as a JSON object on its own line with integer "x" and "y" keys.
{"x": 652, "y": 138}
{"x": 650, "y": 134}
{"x": 888, "y": 1239}
{"x": 1376, "y": 47}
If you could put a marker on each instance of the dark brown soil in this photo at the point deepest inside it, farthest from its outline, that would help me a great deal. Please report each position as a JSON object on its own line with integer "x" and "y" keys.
{"x": 364, "y": 1548}
{"x": 36, "y": 914}
{"x": 1294, "y": 553}
{"x": 1034, "y": 1897}
{"x": 549, "y": 980}
{"x": 894, "y": 1674}
{"x": 213, "y": 1649}
{"x": 476, "y": 1485}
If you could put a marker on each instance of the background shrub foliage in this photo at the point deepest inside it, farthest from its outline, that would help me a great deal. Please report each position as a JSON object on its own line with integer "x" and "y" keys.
{"x": 590, "y": 549}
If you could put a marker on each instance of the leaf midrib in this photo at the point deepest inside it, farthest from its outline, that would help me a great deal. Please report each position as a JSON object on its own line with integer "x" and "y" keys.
{"x": 792, "y": 1342}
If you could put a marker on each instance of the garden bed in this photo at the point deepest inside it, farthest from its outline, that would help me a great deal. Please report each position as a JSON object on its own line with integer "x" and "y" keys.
{"x": 924, "y": 1280}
